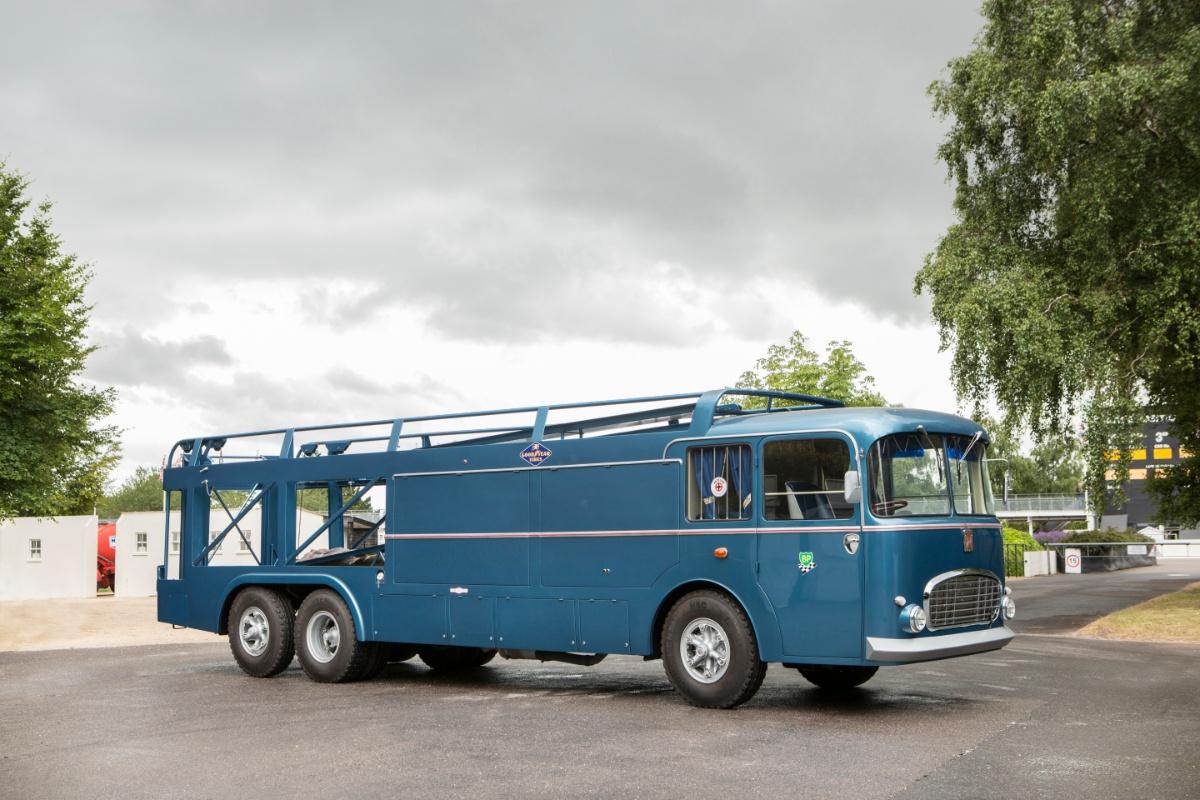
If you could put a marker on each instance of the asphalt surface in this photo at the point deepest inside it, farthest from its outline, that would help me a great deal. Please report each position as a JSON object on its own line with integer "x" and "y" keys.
{"x": 1048, "y": 717}
{"x": 1066, "y": 603}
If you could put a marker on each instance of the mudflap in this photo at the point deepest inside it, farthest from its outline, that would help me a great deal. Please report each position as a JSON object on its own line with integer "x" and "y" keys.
{"x": 172, "y": 602}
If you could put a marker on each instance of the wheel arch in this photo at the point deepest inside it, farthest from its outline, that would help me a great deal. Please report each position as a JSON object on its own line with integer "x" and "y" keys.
{"x": 702, "y": 584}
{"x": 298, "y": 586}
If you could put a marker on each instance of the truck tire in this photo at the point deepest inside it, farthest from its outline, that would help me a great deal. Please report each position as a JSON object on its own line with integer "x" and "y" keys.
{"x": 260, "y": 631}
{"x": 326, "y": 644}
{"x": 710, "y": 652}
{"x": 454, "y": 659}
{"x": 836, "y": 677}
{"x": 377, "y": 660}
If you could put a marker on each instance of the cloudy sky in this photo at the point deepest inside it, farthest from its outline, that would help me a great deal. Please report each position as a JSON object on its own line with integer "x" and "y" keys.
{"x": 308, "y": 212}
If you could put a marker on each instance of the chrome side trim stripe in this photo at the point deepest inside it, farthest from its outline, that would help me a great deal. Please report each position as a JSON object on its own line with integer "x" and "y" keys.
{"x": 674, "y": 532}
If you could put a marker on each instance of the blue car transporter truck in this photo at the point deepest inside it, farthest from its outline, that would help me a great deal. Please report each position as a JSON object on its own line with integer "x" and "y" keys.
{"x": 719, "y": 531}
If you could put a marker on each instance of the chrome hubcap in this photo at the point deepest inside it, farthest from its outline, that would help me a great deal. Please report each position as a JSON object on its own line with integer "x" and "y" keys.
{"x": 254, "y": 631}
{"x": 704, "y": 648}
{"x": 323, "y": 636}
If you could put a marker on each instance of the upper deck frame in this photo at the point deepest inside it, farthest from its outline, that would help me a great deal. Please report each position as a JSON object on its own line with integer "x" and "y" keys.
{"x": 702, "y": 408}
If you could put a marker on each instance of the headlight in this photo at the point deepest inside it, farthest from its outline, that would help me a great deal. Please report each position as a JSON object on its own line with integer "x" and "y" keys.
{"x": 1010, "y": 608}
{"x": 912, "y": 618}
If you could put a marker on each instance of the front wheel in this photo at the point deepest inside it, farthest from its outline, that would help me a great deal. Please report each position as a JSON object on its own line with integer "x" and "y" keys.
{"x": 326, "y": 644}
{"x": 710, "y": 652}
{"x": 836, "y": 677}
{"x": 260, "y": 631}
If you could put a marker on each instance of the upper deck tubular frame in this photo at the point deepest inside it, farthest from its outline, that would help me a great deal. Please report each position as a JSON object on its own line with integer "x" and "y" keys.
{"x": 704, "y": 408}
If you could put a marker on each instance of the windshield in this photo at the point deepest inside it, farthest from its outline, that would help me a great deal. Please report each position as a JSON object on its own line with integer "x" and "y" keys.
{"x": 969, "y": 476}
{"x": 911, "y": 474}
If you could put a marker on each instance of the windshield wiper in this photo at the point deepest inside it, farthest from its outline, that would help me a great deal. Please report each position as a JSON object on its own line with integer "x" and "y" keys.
{"x": 925, "y": 440}
{"x": 974, "y": 440}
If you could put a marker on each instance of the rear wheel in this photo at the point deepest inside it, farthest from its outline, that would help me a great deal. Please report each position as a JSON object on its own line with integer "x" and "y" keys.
{"x": 260, "y": 631}
{"x": 455, "y": 659}
{"x": 376, "y": 661}
{"x": 710, "y": 652}
{"x": 837, "y": 677}
{"x": 326, "y": 643}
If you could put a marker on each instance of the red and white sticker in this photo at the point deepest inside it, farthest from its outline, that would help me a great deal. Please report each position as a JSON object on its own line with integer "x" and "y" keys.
{"x": 719, "y": 486}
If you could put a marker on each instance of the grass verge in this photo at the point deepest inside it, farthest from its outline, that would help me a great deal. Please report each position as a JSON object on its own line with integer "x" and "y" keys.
{"x": 1171, "y": 617}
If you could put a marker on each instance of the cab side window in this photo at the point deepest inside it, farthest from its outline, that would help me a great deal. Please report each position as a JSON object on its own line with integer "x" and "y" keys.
{"x": 805, "y": 479}
{"x": 719, "y": 482}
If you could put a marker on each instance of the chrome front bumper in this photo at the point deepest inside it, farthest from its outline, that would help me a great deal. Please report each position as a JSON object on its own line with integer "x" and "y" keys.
{"x": 928, "y": 648}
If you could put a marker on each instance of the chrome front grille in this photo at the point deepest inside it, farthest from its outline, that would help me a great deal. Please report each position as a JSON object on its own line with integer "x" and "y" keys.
{"x": 962, "y": 597}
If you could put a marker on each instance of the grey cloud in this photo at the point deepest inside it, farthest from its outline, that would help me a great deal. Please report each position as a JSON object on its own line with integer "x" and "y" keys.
{"x": 127, "y": 358}
{"x": 338, "y": 395}
{"x": 470, "y": 157}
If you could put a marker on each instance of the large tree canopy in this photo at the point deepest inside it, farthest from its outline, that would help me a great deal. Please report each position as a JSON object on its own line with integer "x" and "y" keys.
{"x": 1069, "y": 287}
{"x": 793, "y": 367}
{"x": 54, "y": 453}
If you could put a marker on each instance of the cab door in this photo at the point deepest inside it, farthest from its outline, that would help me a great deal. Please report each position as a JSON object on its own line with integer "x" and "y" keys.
{"x": 806, "y": 530}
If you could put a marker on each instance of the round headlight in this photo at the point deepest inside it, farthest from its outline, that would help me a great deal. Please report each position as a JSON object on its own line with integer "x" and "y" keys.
{"x": 912, "y": 618}
{"x": 1010, "y": 608}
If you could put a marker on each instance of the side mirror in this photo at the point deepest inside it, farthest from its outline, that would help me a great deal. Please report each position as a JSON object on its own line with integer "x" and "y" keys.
{"x": 852, "y": 488}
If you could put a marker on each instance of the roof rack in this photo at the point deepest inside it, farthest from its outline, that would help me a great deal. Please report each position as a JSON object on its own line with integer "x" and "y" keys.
{"x": 702, "y": 408}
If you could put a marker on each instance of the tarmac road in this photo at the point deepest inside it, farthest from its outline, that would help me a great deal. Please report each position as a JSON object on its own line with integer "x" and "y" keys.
{"x": 1065, "y": 603}
{"x": 1048, "y": 717}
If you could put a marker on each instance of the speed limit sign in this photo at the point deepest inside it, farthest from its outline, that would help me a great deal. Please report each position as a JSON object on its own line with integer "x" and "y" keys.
{"x": 1074, "y": 561}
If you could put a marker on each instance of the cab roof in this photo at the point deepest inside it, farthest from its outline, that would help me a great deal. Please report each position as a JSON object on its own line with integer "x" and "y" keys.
{"x": 865, "y": 424}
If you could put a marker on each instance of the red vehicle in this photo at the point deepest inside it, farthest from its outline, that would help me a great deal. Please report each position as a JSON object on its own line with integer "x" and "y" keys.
{"x": 106, "y": 556}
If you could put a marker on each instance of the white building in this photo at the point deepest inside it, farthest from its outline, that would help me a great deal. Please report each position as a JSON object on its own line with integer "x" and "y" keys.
{"x": 140, "y": 545}
{"x": 48, "y": 558}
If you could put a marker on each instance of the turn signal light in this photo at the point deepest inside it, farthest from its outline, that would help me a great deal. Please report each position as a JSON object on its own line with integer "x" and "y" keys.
{"x": 721, "y": 552}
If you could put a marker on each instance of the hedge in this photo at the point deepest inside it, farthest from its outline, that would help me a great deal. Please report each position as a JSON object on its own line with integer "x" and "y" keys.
{"x": 1021, "y": 537}
{"x": 1105, "y": 536}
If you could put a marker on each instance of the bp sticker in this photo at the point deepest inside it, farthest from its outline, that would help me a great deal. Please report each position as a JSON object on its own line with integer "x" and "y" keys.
{"x": 807, "y": 562}
{"x": 536, "y": 453}
{"x": 719, "y": 486}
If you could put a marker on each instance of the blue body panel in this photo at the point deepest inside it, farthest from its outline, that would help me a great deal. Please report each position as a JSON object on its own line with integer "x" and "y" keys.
{"x": 492, "y": 544}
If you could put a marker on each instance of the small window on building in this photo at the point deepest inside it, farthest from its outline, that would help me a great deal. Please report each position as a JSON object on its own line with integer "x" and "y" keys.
{"x": 244, "y": 544}
{"x": 141, "y": 544}
{"x": 719, "y": 480}
{"x": 805, "y": 479}
{"x": 35, "y": 549}
{"x": 174, "y": 541}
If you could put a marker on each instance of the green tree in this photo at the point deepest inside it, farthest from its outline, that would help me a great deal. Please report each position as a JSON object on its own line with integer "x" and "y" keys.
{"x": 1052, "y": 466}
{"x": 141, "y": 491}
{"x": 793, "y": 367}
{"x": 315, "y": 499}
{"x": 56, "y": 453}
{"x": 1069, "y": 286}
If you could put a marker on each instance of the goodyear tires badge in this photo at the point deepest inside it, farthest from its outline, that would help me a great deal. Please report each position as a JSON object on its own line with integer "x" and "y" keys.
{"x": 535, "y": 454}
